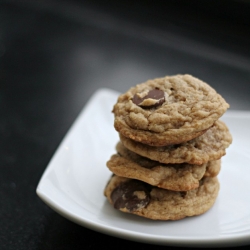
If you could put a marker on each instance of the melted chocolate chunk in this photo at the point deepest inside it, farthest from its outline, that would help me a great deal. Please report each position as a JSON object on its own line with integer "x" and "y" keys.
{"x": 131, "y": 195}
{"x": 156, "y": 94}
{"x": 183, "y": 194}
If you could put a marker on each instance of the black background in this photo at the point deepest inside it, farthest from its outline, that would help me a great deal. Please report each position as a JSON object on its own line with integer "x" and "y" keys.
{"x": 55, "y": 54}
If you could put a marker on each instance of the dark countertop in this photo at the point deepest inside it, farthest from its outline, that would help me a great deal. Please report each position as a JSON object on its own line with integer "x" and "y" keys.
{"x": 55, "y": 54}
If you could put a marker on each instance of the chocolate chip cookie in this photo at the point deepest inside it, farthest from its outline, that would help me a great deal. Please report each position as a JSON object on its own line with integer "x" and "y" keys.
{"x": 177, "y": 177}
{"x": 207, "y": 147}
{"x": 142, "y": 199}
{"x": 168, "y": 110}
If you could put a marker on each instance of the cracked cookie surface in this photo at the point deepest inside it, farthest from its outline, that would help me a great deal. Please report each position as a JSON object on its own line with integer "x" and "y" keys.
{"x": 177, "y": 177}
{"x": 168, "y": 110}
{"x": 208, "y": 147}
{"x": 139, "y": 198}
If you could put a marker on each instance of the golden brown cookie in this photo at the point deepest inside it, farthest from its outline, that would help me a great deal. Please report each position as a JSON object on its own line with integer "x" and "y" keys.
{"x": 139, "y": 198}
{"x": 177, "y": 177}
{"x": 168, "y": 110}
{"x": 213, "y": 168}
{"x": 208, "y": 147}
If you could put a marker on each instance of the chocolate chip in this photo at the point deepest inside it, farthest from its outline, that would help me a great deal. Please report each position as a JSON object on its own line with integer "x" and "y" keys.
{"x": 183, "y": 194}
{"x": 131, "y": 195}
{"x": 151, "y": 99}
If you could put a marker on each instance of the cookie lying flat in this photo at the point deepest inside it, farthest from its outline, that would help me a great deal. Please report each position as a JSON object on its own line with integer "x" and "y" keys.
{"x": 168, "y": 110}
{"x": 177, "y": 177}
{"x": 136, "y": 197}
{"x": 207, "y": 147}
{"x": 213, "y": 168}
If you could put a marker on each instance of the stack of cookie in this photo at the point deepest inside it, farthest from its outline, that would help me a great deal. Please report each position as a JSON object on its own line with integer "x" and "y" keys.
{"x": 171, "y": 143}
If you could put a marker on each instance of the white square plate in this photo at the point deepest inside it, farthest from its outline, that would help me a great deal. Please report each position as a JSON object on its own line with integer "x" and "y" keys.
{"x": 75, "y": 178}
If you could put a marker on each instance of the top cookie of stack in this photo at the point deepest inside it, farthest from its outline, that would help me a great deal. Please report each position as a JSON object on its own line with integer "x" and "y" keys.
{"x": 168, "y": 110}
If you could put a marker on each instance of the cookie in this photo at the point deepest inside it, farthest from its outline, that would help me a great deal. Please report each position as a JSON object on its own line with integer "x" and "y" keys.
{"x": 136, "y": 197}
{"x": 213, "y": 168}
{"x": 168, "y": 110}
{"x": 208, "y": 147}
{"x": 177, "y": 177}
